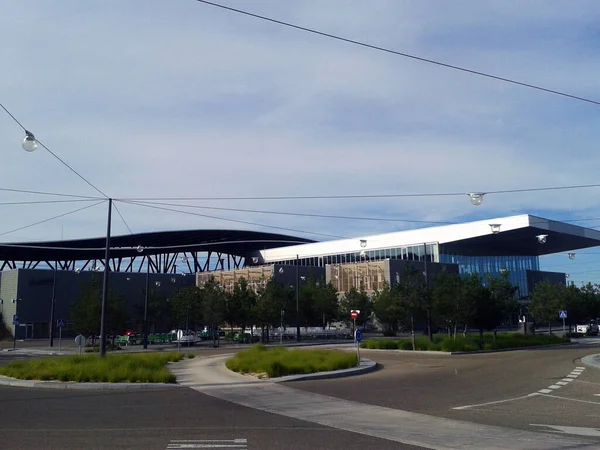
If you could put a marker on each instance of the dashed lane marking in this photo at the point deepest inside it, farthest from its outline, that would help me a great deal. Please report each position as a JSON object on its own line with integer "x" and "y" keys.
{"x": 572, "y": 376}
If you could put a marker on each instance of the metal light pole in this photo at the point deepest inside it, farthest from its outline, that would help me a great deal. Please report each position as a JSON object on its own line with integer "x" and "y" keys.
{"x": 297, "y": 298}
{"x": 426, "y": 273}
{"x": 53, "y": 306}
{"x": 105, "y": 283}
{"x": 145, "y": 325}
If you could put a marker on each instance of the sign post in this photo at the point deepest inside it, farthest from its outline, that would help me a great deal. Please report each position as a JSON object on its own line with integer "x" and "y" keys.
{"x": 563, "y": 315}
{"x": 80, "y": 341}
{"x": 354, "y": 315}
{"x": 358, "y": 338}
{"x": 16, "y": 324}
{"x": 60, "y": 323}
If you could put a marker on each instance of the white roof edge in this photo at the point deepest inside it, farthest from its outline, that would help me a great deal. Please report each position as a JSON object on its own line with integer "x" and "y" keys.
{"x": 439, "y": 234}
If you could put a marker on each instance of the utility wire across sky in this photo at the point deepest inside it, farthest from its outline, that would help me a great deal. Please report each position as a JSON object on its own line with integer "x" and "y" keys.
{"x": 398, "y": 53}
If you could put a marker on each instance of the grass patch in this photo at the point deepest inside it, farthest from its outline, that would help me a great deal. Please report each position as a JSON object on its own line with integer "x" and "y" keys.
{"x": 191, "y": 355}
{"x": 133, "y": 368}
{"x": 280, "y": 361}
{"x": 465, "y": 344}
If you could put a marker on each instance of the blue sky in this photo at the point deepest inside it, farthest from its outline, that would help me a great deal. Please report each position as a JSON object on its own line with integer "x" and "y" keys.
{"x": 163, "y": 98}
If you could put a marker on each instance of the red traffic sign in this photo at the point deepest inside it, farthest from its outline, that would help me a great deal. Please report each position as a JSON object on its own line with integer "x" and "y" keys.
{"x": 354, "y": 313}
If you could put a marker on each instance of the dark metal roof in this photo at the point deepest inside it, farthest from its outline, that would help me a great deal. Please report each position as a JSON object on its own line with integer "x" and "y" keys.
{"x": 233, "y": 242}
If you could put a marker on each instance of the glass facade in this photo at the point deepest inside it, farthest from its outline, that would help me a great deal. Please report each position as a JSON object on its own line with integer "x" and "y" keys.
{"x": 516, "y": 266}
{"x": 409, "y": 253}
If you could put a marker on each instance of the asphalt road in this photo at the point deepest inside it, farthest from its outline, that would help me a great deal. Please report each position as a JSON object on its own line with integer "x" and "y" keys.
{"x": 52, "y": 419}
{"x": 487, "y": 387}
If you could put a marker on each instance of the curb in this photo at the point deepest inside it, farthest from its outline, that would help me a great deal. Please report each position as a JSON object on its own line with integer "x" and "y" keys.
{"x": 592, "y": 361}
{"x": 366, "y": 366}
{"x": 73, "y": 385}
{"x": 475, "y": 352}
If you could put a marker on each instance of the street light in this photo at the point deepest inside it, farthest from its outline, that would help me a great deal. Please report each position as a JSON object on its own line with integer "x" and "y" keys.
{"x": 29, "y": 143}
{"x": 53, "y": 306}
{"x": 542, "y": 238}
{"x": 571, "y": 255}
{"x": 476, "y": 198}
{"x": 363, "y": 243}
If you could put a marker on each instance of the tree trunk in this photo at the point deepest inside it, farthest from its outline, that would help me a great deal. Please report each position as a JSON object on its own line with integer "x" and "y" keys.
{"x": 262, "y": 334}
{"x": 455, "y": 330}
{"x": 429, "y": 331}
{"x": 495, "y": 334}
{"x": 549, "y": 328}
{"x": 465, "y": 330}
{"x": 412, "y": 332}
{"x": 480, "y": 339}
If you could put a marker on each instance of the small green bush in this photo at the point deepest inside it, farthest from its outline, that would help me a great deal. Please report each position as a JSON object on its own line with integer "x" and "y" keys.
{"x": 280, "y": 361}
{"x": 140, "y": 367}
{"x": 191, "y": 355}
{"x": 469, "y": 343}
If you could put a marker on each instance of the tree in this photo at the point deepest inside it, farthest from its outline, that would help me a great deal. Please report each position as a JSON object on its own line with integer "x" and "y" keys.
{"x": 213, "y": 306}
{"x": 186, "y": 307}
{"x": 448, "y": 301}
{"x": 388, "y": 309}
{"x": 359, "y": 300}
{"x": 239, "y": 305}
{"x": 413, "y": 297}
{"x": 326, "y": 302}
{"x": 545, "y": 300}
{"x": 158, "y": 308}
{"x": 86, "y": 312}
{"x": 271, "y": 300}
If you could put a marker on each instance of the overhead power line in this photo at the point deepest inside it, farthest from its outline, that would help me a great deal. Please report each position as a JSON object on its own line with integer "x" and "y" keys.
{"x": 230, "y": 220}
{"x": 285, "y": 213}
{"x": 122, "y": 218}
{"x": 45, "y": 202}
{"x": 24, "y": 191}
{"x": 52, "y": 218}
{"x": 89, "y": 183}
{"x": 398, "y": 53}
{"x": 364, "y": 196}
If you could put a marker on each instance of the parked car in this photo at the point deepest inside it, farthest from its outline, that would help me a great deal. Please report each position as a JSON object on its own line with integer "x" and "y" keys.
{"x": 590, "y": 329}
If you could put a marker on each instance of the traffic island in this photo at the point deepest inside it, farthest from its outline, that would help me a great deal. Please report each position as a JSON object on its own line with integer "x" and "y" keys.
{"x": 468, "y": 344}
{"x": 92, "y": 371}
{"x": 283, "y": 364}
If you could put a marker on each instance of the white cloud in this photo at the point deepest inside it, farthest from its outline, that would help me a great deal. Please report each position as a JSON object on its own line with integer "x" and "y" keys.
{"x": 160, "y": 99}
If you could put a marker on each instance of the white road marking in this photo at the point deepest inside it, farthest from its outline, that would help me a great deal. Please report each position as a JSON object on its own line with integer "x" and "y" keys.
{"x": 554, "y": 386}
{"x": 562, "y": 383}
{"x": 598, "y": 395}
{"x": 580, "y": 431}
{"x": 497, "y": 401}
{"x": 544, "y": 394}
{"x": 545, "y": 391}
{"x": 567, "y": 379}
{"x": 572, "y": 376}
{"x": 207, "y": 443}
{"x": 580, "y": 368}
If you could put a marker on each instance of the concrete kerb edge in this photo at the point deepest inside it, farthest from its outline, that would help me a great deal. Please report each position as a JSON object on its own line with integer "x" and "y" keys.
{"x": 366, "y": 366}
{"x": 53, "y": 384}
{"x": 591, "y": 361}
{"x": 438, "y": 352}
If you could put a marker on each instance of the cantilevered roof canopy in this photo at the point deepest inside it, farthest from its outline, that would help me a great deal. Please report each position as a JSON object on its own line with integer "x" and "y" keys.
{"x": 232, "y": 242}
{"x": 516, "y": 236}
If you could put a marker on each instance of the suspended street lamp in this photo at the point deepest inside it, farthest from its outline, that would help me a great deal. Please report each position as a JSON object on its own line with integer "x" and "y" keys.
{"x": 476, "y": 198}
{"x": 542, "y": 238}
{"x": 571, "y": 255}
{"x": 29, "y": 143}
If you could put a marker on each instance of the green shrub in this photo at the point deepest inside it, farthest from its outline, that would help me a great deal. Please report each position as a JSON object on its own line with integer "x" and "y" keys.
{"x": 280, "y": 361}
{"x": 191, "y": 355}
{"x": 140, "y": 367}
{"x": 469, "y": 343}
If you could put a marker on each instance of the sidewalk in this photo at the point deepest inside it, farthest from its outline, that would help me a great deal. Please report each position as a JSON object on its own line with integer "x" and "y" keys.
{"x": 592, "y": 361}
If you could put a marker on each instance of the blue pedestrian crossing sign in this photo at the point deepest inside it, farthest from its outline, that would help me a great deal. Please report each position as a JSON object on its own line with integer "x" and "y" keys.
{"x": 15, "y": 319}
{"x": 358, "y": 335}
{"x": 562, "y": 314}
{"x": 60, "y": 323}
